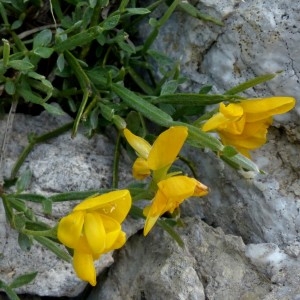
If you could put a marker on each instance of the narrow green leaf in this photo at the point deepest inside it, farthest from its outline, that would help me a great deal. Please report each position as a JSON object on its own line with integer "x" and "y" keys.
{"x": 9, "y": 291}
{"x": 60, "y": 62}
{"x": 6, "y": 52}
{"x": 24, "y": 241}
{"x": 239, "y": 161}
{"x": 23, "y": 181}
{"x": 54, "y": 247}
{"x": 111, "y": 22}
{"x": 31, "y": 197}
{"x": 42, "y": 39}
{"x": 138, "y": 11}
{"x": 201, "y": 139}
{"x": 250, "y": 83}
{"x": 10, "y": 87}
{"x": 23, "y": 279}
{"x": 20, "y": 65}
{"x": 53, "y": 109}
{"x": 194, "y": 12}
{"x": 148, "y": 110}
{"x": 194, "y": 99}
{"x": 47, "y": 206}
{"x": 43, "y": 52}
{"x": 169, "y": 87}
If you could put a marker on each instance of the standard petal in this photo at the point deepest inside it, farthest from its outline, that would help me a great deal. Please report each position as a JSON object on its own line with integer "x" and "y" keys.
{"x": 84, "y": 267}
{"x": 94, "y": 232}
{"x": 70, "y": 228}
{"x": 166, "y": 147}
{"x": 260, "y": 109}
{"x": 115, "y": 204}
{"x": 141, "y": 146}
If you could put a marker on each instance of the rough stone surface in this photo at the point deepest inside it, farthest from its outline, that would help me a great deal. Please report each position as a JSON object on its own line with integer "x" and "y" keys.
{"x": 211, "y": 265}
{"x": 59, "y": 165}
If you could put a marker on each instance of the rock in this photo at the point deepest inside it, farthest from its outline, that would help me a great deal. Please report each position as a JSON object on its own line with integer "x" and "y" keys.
{"x": 59, "y": 165}
{"x": 211, "y": 265}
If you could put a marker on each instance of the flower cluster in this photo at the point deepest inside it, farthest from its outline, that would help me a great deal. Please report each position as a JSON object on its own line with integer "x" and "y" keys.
{"x": 93, "y": 228}
{"x": 172, "y": 189}
{"x": 245, "y": 125}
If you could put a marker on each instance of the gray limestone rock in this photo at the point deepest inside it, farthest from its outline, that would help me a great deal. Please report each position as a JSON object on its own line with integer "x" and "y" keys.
{"x": 211, "y": 265}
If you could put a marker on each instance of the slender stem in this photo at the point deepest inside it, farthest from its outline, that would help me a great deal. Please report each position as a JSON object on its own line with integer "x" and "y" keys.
{"x": 115, "y": 174}
{"x": 37, "y": 140}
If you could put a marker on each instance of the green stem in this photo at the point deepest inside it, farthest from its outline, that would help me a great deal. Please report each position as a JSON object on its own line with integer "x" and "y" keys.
{"x": 115, "y": 174}
{"x": 149, "y": 41}
{"x": 48, "y": 233}
{"x": 140, "y": 82}
{"x": 37, "y": 140}
{"x": 85, "y": 86}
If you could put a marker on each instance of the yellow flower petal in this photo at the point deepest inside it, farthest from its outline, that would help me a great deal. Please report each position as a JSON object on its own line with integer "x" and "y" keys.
{"x": 112, "y": 230}
{"x": 150, "y": 222}
{"x": 115, "y": 204}
{"x": 140, "y": 169}
{"x": 141, "y": 146}
{"x": 166, "y": 147}
{"x": 119, "y": 242}
{"x": 70, "y": 228}
{"x": 260, "y": 109}
{"x": 171, "y": 193}
{"x": 94, "y": 232}
{"x": 84, "y": 267}
{"x": 232, "y": 111}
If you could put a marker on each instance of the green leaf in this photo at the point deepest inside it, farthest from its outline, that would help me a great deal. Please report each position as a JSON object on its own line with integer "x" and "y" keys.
{"x": 29, "y": 96}
{"x": 239, "y": 161}
{"x": 10, "y": 87}
{"x": 16, "y": 24}
{"x": 43, "y": 52}
{"x": 169, "y": 87}
{"x": 23, "y": 279}
{"x": 250, "y": 83}
{"x": 20, "y": 65}
{"x": 111, "y": 22}
{"x": 138, "y": 11}
{"x": 54, "y": 247}
{"x": 23, "y": 181}
{"x": 35, "y": 75}
{"x": 60, "y": 62}
{"x": 9, "y": 291}
{"x": 53, "y": 109}
{"x": 24, "y": 241}
{"x": 149, "y": 111}
{"x": 42, "y": 39}
{"x": 229, "y": 151}
{"x": 92, "y": 3}
{"x": 194, "y": 99}
{"x": 47, "y": 206}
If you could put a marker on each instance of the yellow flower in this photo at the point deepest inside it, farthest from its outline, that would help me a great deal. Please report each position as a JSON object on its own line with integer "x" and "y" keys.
{"x": 158, "y": 157}
{"x": 245, "y": 125}
{"x": 94, "y": 228}
{"x": 170, "y": 194}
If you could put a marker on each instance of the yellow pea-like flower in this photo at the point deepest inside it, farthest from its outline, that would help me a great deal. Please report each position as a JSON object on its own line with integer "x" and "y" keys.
{"x": 245, "y": 125}
{"x": 158, "y": 157}
{"x": 170, "y": 194}
{"x": 94, "y": 228}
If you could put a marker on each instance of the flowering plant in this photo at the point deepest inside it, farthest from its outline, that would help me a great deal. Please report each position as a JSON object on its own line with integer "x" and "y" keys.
{"x": 86, "y": 61}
